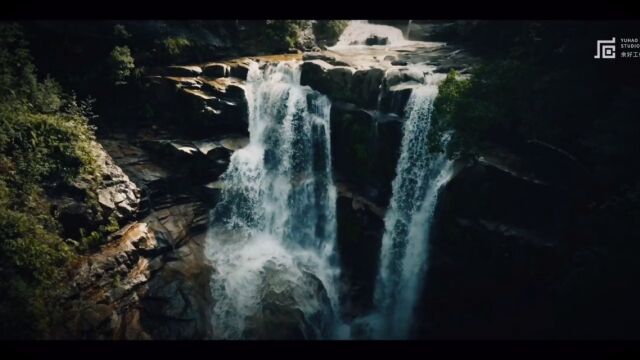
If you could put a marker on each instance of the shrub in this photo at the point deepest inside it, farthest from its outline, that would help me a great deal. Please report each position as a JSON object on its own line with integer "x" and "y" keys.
{"x": 120, "y": 32}
{"x": 329, "y": 31}
{"x": 282, "y": 35}
{"x": 121, "y": 63}
{"x": 175, "y": 46}
{"x": 45, "y": 141}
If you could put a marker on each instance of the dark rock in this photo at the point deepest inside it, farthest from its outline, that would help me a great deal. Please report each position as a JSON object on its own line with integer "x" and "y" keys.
{"x": 240, "y": 68}
{"x": 197, "y": 166}
{"x": 365, "y": 148}
{"x": 502, "y": 239}
{"x": 182, "y": 71}
{"x": 96, "y": 316}
{"x": 353, "y": 135}
{"x": 394, "y": 99}
{"x": 74, "y": 215}
{"x": 313, "y": 73}
{"x": 116, "y": 195}
{"x": 280, "y": 316}
{"x": 365, "y": 87}
{"x": 376, "y": 40}
{"x": 360, "y": 230}
{"x": 333, "y": 81}
{"x": 176, "y": 305}
{"x": 216, "y": 70}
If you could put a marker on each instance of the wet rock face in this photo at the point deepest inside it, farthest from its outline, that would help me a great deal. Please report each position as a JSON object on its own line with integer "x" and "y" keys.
{"x": 201, "y": 161}
{"x": 117, "y": 194}
{"x": 176, "y": 304}
{"x": 149, "y": 270}
{"x": 107, "y": 283}
{"x": 117, "y": 197}
{"x": 343, "y": 83}
{"x": 365, "y": 148}
{"x": 209, "y": 98}
{"x": 502, "y": 247}
{"x": 366, "y": 87}
{"x": 360, "y": 230}
{"x": 151, "y": 280}
{"x": 216, "y": 70}
{"x": 289, "y": 309}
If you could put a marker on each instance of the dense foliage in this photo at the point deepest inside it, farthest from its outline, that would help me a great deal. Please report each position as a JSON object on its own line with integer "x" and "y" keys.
{"x": 329, "y": 31}
{"x": 45, "y": 143}
{"x": 542, "y": 85}
{"x": 121, "y": 62}
{"x": 540, "y": 82}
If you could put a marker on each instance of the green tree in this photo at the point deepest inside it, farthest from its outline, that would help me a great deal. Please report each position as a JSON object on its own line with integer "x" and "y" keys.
{"x": 45, "y": 144}
{"x": 329, "y": 31}
{"x": 121, "y": 63}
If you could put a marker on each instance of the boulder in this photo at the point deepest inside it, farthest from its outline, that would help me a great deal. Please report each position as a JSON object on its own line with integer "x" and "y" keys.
{"x": 376, "y": 40}
{"x": 313, "y": 74}
{"x": 239, "y": 68}
{"x": 116, "y": 195}
{"x": 283, "y": 296}
{"x": 333, "y": 81}
{"x": 365, "y": 148}
{"x": 365, "y": 87}
{"x": 198, "y": 162}
{"x": 212, "y": 112}
{"x": 216, "y": 70}
{"x": 339, "y": 80}
{"x": 394, "y": 99}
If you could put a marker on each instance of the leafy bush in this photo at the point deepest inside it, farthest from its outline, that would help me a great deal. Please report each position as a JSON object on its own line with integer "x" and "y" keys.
{"x": 45, "y": 141}
{"x": 329, "y": 31}
{"x": 282, "y": 35}
{"x": 120, "y": 32}
{"x": 175, "y": 46}
{"x": 121, "y": 63}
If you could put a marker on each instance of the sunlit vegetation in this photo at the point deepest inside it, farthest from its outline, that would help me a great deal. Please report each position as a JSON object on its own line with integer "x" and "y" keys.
{"x": 45, "y": 144}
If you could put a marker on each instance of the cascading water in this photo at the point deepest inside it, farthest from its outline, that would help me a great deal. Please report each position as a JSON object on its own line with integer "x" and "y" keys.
{"x": 404, "y": 253}
{"x": 358, "y": 32}
{"x": 271, "y": 238}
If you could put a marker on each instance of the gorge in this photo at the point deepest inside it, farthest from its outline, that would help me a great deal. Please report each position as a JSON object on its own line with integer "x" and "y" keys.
{"x": 317, "y": 180}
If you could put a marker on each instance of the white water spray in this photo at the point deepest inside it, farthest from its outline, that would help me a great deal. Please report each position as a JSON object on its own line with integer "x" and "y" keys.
{"x": 272, "y": 236}
{"x": 359, "y": 31}
{"x": 405, "y": 244}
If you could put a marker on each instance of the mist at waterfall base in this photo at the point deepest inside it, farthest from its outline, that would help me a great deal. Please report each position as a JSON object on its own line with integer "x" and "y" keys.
{"x": 271, "y": 238}
{"x": 405, "y": 244}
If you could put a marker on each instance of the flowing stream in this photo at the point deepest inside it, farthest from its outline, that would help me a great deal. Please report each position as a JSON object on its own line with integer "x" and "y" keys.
{"x": 271, "y": 238}
{"x": 358, "y": 32}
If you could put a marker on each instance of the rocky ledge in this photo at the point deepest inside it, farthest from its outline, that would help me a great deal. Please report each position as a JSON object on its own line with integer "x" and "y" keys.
{"x": 150, "y": 280}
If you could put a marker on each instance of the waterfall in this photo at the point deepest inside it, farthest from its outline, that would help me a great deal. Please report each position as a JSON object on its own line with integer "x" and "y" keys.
{"x": 271, "y": 237}
{"x": 404, "y": 254}
{"x": 358, "y": 32}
